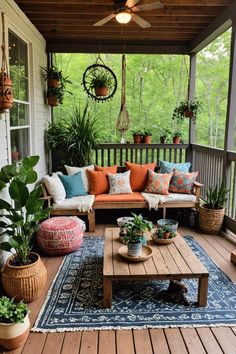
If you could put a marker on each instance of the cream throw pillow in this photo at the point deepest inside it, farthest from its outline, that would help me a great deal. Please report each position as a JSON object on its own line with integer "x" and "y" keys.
{"x": 55, "y": 187}
{"x": 71, "y": 170}
{"x": 119, "y": 183}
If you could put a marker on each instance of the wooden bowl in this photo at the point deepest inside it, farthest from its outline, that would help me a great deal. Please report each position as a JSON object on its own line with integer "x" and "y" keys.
{"x": 146, "y": 253}
{"x": 162, "y": 241}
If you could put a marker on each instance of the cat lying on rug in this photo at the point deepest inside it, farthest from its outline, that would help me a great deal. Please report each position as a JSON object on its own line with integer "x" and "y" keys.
{"x": 175, "y": 293}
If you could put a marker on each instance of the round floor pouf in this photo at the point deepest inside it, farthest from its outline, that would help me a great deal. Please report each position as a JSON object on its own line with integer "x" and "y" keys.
{"x": 60, "y": 235}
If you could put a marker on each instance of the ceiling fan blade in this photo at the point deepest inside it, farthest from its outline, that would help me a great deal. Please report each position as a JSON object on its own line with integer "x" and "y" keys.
{"x": 140, "y": 21}
{"x": 104, "y": 20}
{"x": 151, "y": 6}
{"x": 131, "y": 3}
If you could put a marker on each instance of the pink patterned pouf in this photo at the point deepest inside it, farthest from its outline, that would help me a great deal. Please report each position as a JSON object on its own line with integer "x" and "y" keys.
{"x": 60, "y": 235}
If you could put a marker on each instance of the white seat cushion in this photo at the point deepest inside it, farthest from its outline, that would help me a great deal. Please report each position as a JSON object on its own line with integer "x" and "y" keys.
{"x": 179, "y": 197}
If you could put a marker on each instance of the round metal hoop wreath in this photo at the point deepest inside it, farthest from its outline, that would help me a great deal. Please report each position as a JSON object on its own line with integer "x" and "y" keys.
{"x": 96, "y": 70}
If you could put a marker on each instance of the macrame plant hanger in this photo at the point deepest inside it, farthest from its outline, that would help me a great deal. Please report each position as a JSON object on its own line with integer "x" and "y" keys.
{"x": 6, "y": 94}
{"x": 123, "y": 120}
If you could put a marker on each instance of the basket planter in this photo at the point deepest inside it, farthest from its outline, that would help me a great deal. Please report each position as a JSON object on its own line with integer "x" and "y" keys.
{"x": 188, "y": 113}
{"x": 14, "y": 335}
{"x": 134, "y": 249}
{"x": 24, "y": 282}
{"x": 53, "y": 83}
{"x": 211, "y": 220}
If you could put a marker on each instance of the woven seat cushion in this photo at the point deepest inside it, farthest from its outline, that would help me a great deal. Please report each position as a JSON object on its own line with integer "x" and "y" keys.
{"x": 60, "y": 235}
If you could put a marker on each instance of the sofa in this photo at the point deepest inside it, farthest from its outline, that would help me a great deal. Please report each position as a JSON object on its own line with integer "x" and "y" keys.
{"x": 86, "y": 189}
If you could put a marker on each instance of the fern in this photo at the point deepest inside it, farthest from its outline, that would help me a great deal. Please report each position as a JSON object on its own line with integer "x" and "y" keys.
{"x": 216, "y": 196}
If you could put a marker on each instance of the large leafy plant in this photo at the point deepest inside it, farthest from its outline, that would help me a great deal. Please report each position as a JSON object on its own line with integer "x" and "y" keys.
{"x": 12, "y": 312}
{"x": 216, "y": 197}
{"x": 22, "y": 215}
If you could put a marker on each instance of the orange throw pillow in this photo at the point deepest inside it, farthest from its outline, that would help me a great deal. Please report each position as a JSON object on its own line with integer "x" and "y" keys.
{"x": 98, "y": 180}
{"x": 139, "y": 175}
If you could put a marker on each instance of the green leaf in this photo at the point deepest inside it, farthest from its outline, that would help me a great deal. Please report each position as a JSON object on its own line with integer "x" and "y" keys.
{"x": 33, "y": 205}
{"x": 30, "y": 161}
{"x": 31, "y": 177}
{"x": 18, "y": 192}
{"x": 5, "y": 246}
{"x": 3, "y": 224}
{"x": 5, "y": 205}
{"x": 14, "y": 218}
{"x": 2, "y": 184}
{"x": 13, "y": 243}
{"x": 37, "y": 192}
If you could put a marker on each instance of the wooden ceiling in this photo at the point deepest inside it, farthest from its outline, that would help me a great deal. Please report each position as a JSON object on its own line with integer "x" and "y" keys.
{"x": 67, "y": 25}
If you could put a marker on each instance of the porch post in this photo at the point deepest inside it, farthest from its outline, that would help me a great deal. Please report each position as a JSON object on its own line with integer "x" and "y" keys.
{"x": 191, "y": 96}
{"x": 231, "y": 106}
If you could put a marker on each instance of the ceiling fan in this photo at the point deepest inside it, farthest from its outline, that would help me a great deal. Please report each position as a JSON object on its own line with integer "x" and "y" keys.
{"x": 124, "y": 11}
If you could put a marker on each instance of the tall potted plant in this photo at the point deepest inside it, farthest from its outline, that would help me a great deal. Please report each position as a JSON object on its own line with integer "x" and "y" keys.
{"x": 211, "y": 213}
{"x": 14, "y": 323}
{"x": 135, "y": 229}
{"x": 24, "y": 275}
{"x": 187, "y": 109}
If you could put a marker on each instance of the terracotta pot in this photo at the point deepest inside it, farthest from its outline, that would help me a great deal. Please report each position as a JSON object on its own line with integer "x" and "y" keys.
{"x": 188, "y": 113}
{"x": 14, "y": 335}
{"x": 176, "y": 140}
{"x": 101, "y": 91}
{"x": 6, "y": 94}
{"x": 24, "y": 282}
{"x": 163, "y": 139}
{"x": 147, "y": 139}
{"x": 53, "y": 101}
{"x": 166, "y": 235}
{"x": 211, "y": 220}
{"x": 15, "y": 155}
{"x": 137, "y": 139}
{"x": 53, "y": 83}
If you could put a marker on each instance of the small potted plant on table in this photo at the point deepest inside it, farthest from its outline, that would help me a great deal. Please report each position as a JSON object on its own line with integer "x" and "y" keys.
{"x": 135, "y": 231}
{"x": 14, "y": 323}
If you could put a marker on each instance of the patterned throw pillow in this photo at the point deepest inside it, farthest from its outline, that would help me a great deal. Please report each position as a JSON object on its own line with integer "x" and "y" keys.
{"x": 120, "y": 183}
{"x": 158, "y": 183}
{"x": 182, "y": 182}
{"x": 168, "y": 167}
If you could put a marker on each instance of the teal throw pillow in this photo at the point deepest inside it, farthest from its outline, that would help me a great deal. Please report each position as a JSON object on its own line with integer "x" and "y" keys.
{"x": 73, "y": 185}
{"x": 168, "y": 167}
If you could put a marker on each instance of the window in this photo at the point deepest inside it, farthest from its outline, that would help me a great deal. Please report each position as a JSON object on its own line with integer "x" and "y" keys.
{"x": 20, "y": 112}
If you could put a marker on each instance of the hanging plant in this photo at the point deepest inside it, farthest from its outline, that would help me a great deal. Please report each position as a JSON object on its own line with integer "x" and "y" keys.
{"x": 187, "y": 109}
{"x": 6, "y": 92}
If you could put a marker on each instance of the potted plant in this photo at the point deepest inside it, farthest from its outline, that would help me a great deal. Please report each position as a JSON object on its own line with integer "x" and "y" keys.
{"x": 55, "y": 96}
{"x": 101, "y": 84}
{"x": 137, "y": 136}
{"x": 211, "y": 213}
{"x": 187, "y": 108}
{"x": 24, "y": 274}
{"x": 53, "y": 76}
{"x": 15, "y": 154}
{"x": 135, "y": 231}
{"x": 147, "y": 136}
{"x": 6, "y": 93}
{"x": 166, "y": 231}
{"x": 177, "y": 136}
{"x": 165, "y": 133}
{"x": 14, "y": 323}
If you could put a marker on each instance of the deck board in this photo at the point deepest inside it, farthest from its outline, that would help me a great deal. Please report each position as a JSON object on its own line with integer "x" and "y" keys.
{"x": 157, "y": 341}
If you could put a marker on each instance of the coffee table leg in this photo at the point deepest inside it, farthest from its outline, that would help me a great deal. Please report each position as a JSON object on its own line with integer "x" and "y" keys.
{"x": 107, "y": 292}
{"x": 202, "y": 291}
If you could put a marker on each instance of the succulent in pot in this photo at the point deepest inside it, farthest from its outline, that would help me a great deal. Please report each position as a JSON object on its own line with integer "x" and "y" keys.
{"x": 19, "y": 223}
{"x": 14, "y": 323}
{"x": 135, "y": 232}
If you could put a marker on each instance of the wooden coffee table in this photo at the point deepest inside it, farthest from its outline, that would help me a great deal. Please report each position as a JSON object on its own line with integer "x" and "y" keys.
{"x": 173, "y": 261}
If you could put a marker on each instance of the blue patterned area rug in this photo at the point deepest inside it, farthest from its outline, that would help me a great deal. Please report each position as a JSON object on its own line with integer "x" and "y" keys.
{"x": 74, "y": 301}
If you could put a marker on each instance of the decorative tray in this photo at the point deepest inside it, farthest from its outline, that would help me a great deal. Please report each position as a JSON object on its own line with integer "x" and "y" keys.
{"x": 163, "y": 241}
{"x": 146, "y": 253}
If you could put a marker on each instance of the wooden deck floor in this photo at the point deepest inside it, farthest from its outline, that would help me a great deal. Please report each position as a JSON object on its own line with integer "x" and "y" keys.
{"x": 152, "y": 341}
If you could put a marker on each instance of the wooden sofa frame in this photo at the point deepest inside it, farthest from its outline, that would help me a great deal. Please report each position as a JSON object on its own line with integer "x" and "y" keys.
{"x": 121, "y": 205}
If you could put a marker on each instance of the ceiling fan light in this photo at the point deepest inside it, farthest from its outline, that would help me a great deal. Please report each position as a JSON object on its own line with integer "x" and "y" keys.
{"x": 123, "y": 17}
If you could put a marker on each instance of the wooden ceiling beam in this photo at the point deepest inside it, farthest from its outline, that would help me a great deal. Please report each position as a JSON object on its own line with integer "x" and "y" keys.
{"x": 109, "y": 2}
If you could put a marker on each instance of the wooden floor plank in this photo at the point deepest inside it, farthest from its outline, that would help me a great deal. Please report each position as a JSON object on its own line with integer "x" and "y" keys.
{"x": 107, "y": 342}
{"x": 71, "y": 344}
{"x": 124, "y": 342}
{"x": 35, "y": 343}
{"x": 159, "y": 343}
{"x": 89, "y": 342}
{"x": 208, "y": 340}
{"x": 53, "y": 343}
{"x": 192, "y": 341}
{"x": 226, "y": 339}
{"x": 142, "y": 342}
{"x": 175, "y": 341}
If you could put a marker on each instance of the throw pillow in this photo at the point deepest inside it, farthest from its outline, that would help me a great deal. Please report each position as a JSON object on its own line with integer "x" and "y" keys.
{"x": 138, "y": 175}
{"x": 73, "y": 185}
{"x": 71, "y": 170}
{"x": 55, "y": 187}
{"x": 168, "y": 167}
{"x": 158, "y": 183}
{"x": 110, "y": 169}
{"x": 98, "y": 182}
{"x": 182, "y": 182}
{"x": 120, "y": 183}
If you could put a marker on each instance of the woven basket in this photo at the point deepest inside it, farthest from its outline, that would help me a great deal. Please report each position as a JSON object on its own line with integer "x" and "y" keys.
{"x": 24, "y": 282}
{"x": 211, "y": 220}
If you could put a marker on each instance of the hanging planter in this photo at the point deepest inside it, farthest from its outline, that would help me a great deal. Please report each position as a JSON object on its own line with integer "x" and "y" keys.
{"x": 186, "y": 109}
{"x": 6, "y": 92}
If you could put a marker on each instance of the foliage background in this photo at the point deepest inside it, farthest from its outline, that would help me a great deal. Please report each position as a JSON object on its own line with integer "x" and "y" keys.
{"x": 155, "y": 84}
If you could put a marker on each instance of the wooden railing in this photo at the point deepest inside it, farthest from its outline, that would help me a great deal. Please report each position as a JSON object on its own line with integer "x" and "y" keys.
{"x": 109, "y": 154}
